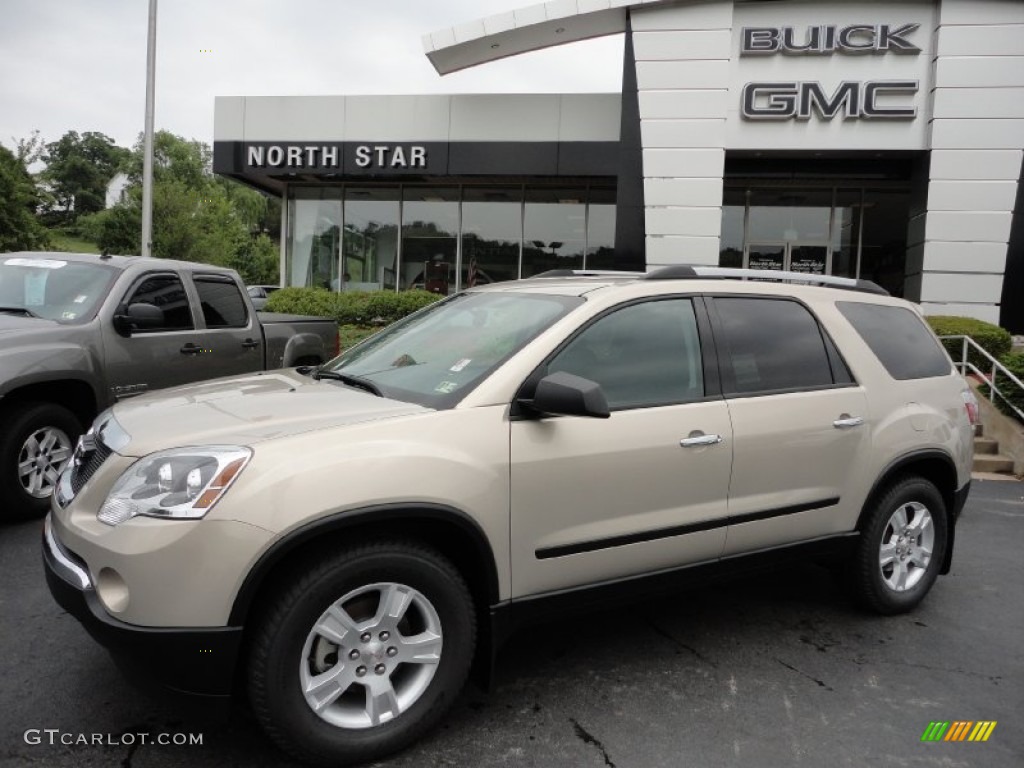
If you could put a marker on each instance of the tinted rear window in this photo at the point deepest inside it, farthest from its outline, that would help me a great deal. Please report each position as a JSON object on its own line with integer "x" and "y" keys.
{"x": 899, "y": 339}
{"x": 223, "y": 306}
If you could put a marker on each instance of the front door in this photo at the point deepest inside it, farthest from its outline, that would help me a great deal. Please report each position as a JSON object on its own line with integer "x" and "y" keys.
{"x": 806, "y": 257}
{"x": 598, "y": 499}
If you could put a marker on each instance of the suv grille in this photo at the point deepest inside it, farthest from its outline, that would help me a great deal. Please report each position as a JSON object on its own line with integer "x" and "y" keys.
{"x": 81, "y": 473}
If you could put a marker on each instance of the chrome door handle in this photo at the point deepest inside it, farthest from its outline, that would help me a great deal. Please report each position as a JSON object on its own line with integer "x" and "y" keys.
{"x": 846, "y": 421}
{"x": 698, "y": 440}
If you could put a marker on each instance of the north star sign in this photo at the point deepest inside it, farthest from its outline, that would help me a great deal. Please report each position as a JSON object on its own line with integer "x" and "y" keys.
{"x": 854, "y": 100}
{"x": 328, "y": 157}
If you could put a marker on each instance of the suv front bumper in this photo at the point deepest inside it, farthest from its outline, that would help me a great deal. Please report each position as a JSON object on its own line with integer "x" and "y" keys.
{"x": 193, "y": 661}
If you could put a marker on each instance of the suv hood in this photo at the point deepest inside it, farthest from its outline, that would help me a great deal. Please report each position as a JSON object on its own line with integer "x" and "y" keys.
{"x": 12, "y": 321}
{"x": 245, "y": 410}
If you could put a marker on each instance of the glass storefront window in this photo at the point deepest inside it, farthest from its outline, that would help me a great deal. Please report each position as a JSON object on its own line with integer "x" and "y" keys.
{"x": 734, "y": 209}
{"x": 492, "y": 229}
{"x": 430, "y": 227}
{"x": 789, "y": 215}
{"x": 370, "y": 238}
{"x": 554, "y": 230}
{"x": 845, "y": 232}
{"x": 600, "y": 230}
{"x": 883, "y": 255}
{"x": 311, "y": 255}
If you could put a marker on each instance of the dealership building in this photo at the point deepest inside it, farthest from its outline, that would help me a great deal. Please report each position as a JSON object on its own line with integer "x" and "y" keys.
{"x": 880, "y": 140}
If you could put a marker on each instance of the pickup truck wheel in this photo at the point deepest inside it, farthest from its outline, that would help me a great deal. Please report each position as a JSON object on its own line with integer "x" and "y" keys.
{"x": 362, "y": 653}
{"x": 902, "y": 547}
{"x": 35, "y": 445}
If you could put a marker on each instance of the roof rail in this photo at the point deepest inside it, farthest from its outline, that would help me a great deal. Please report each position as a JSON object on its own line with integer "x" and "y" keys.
{"x": 586, "y": 273}
{"x": 683, "y": 271}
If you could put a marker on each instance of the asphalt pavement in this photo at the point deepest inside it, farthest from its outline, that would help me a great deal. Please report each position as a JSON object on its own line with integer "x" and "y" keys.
{"x": 780, "y": 670}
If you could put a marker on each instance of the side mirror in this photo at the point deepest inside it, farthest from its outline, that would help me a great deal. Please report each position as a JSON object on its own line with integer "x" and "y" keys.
{"x": 567, "y": 395}
{"x": 138, "y": 317}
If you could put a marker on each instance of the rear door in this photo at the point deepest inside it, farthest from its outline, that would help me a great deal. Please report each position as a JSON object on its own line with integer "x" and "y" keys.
{"x": 800, "y": 423}
{"x": 231, "y": 341}
{"x": 599, "y": 499}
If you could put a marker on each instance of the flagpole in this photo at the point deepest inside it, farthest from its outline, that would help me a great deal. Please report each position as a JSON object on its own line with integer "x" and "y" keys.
{"x": 147, "y": 141}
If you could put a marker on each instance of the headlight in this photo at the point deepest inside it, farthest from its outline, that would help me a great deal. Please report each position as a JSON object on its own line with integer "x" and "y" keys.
{"x": 183, "y": 483}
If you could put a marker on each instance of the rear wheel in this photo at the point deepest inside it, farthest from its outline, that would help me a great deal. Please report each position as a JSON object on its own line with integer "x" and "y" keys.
{"x": 902, "y": 547}
{"x": 36, "y": 444}
{"x": 362, "y": 653}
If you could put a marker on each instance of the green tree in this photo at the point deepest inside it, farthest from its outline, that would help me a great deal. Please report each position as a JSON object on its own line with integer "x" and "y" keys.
{"x": 19, "y": 229}
{"x": 78, "y": 169}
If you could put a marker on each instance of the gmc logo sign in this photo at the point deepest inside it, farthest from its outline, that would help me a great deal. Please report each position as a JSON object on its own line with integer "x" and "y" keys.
{"x": 854, "y": 100}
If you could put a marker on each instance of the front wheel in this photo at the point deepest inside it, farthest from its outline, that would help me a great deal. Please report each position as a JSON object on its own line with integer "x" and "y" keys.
{"x": 902, "y": 547}
{"x": 362, "y": 653}
{"x": 36, "y": 443}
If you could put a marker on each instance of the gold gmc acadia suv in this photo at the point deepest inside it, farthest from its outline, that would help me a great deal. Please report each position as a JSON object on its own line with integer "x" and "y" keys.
{"x": 345, "y": 542}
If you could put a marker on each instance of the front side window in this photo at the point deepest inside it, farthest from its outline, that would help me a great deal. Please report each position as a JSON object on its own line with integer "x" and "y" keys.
{"x": 222, "y": 303}
{"x": 166, "y": 292}
{"x": 770, "y": 345}
{"x": 642, "y": 355}
{"x": 436, "y": 356}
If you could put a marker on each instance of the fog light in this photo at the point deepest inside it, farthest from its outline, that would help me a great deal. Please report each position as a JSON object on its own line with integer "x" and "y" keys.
{"x": 112, "y": 590}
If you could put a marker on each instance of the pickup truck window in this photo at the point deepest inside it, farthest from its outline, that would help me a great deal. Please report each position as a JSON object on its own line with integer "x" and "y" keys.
{"x": 54, "y": 289}
{"x": 166, "y": 292}
{"x": 222, "y": 303}
{"x": 439, "y": 354}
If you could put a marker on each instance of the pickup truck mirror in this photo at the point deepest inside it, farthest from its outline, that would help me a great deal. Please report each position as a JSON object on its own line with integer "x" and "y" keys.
{"x": 138, "y": 317}
{"x": 567, "y": 395}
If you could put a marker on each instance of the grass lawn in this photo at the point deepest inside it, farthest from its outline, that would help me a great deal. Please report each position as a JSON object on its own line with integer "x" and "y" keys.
{"x": 350, "y": 335}
{"x": 61, "y": 241}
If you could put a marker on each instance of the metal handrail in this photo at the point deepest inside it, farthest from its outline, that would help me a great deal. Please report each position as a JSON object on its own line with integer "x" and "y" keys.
{"x": 965, "y": 365}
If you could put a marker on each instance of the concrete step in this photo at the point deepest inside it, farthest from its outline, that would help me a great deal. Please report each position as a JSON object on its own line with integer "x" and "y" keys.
{"x": 993, "y": 463}
{"x": 985, "y": 445}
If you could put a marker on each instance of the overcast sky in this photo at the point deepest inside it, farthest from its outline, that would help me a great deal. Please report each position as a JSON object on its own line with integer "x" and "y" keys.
{"x": 80, "y": 64}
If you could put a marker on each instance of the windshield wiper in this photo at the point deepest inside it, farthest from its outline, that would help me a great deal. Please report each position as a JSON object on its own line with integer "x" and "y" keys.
{"x": 352, "y": 381}
{"x": 22, "y": 310}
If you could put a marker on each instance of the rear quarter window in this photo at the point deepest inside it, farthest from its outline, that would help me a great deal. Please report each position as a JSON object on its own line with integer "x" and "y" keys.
{"x": 899, "y": 338}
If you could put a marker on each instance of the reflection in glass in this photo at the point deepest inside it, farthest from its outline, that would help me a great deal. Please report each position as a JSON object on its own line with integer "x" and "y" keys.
{"x": 845, "y": 223}
{"x": 554, "y": 230}
{"x": 789, "y": 215}
{"x": 311, "y": 255}
{"x": 492, "y": 228}
{"x": 884, "y": 248}
{"x": 371, "y": 238}
{"x": 430, "y": 225}
{"x": 601, "y": 230}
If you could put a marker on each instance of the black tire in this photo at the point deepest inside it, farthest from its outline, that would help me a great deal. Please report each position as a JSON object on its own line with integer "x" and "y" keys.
{"x": 279, "y": 649}
{"x": 874, "y": 585}
{"x": 19, "y": 422}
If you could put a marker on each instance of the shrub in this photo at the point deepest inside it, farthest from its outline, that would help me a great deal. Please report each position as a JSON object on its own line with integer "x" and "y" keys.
{"x": 993, "y": 339}
{"x": 363, "y": 309}
{"x": 1015, "y": 364}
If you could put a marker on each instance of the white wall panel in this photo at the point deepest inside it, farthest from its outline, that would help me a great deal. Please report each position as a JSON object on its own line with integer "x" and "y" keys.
{"x": 958, "y": 226}
{"x": 683, "y": 104}
{"x": 987, "y": 312}
{"x": 939, "y": 286}
{"x": 229, "y": 118}
{"x": 981, "y": 40}
{"x": 966, "y": 257}
{"x": 695, "y": 14}
{"x": 687, "y": 192}
{"x": 505, "y": 117}
{"x": 979, "y": 72}
{"x": 589, "y": 117}
{"x": 982, "y": 12}
{"x": 669, "y": 250}
{"x": 395, "y": 118}
{"x": 995, "y": 164}
{"x": 295, "y": 118}
{"x": 971, "y": 195}
{"x": 704, "y": 222}
{"x": 683, "y": 133}
{"x": 682, "y": 74}
{"x": 668, "y": 163}
{"x": 670, "y": 46}
{"x": 978, "y": 134}
{"x": 979, "y": 102}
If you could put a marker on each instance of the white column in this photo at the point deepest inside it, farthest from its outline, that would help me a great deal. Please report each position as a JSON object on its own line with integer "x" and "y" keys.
{"x": 682, "y": 67}
{"x": 977, "y": 136}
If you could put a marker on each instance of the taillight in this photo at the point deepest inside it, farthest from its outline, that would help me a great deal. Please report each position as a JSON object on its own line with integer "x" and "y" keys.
{"x": 971, "y": 404}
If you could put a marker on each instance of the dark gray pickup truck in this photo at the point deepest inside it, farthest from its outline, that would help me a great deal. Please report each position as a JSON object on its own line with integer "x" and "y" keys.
{"x": 79, "y": 332}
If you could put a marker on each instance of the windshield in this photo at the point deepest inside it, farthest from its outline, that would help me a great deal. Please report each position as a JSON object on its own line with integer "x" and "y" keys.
{"x": 436, "y": 356}
{"x": 54, "y": 289}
